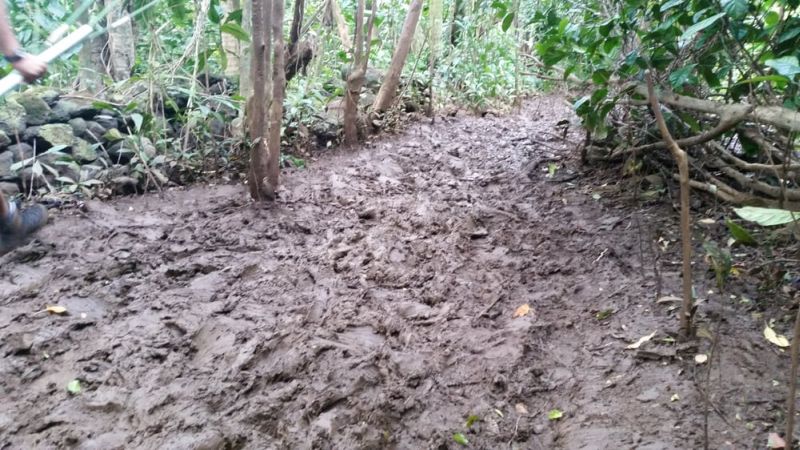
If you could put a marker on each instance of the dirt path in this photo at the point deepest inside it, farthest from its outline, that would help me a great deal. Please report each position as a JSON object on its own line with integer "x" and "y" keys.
{"x": 372, "y": 307}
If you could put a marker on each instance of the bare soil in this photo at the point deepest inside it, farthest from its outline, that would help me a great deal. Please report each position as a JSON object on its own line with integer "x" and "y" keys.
{"x": 373, "y": 306}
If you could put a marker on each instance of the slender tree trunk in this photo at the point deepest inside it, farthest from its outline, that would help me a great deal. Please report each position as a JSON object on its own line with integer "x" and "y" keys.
{"x": 388, "y": 89}
{"x": 90, "y": 60}
{"x": 341, "y": 25}
{"x": 245, "y": 62}
{"x": 120, "y": 45}
{"x": 435, "y": 14}
{"x": 230, "y": 45}
{"x": 278, "y": 89}
{"x": 455, "y": 27}
{"x": 256, "y": 110}
{"x": 353, "y": 86}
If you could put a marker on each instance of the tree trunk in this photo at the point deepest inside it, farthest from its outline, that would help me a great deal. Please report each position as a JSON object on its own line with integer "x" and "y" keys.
{"x": 353, "y": 86}
{"x": 90, "y": 60}
{"x": 435, "y": 15}
{"x": 278, "y": 86}
{"x": 120, "y": 45}
{"x": 455, "y": 27}
{"x": 230, "y": 45}
{"x": 256, "y": 110}
{"x": 245, "y": 62}
{"x": 299, "y": 53}
{"x": 388, "y": 89}
{"x": 341, "y": 25}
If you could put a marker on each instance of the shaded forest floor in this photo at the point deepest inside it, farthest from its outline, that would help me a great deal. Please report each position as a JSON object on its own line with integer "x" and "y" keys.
{"x": 373, "y": 306}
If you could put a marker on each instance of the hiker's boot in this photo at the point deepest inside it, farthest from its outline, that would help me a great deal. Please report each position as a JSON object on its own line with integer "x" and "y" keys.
{"x": 19, "y": 225}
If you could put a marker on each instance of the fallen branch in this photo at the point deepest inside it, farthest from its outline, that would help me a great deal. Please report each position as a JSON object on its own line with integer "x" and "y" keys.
{"x": 773, "y": 115}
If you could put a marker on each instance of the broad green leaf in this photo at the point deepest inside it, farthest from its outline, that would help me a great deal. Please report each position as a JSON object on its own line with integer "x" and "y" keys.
{"x": 771, "y": 19}
{"x": 235, "y": 30}
{"x": 508, "y": 21}
{"x": 137, "y": 121}
{"x": 681, "y": 76}
{"x": 555, "y": 414}
{"x": 740, "y": 234}
{"x": 599, "y": 95}
{"x": 736, "y": 9}
{"x": 601, "y": 76}
{"x": 767, "y": 217}
{"x": 700, "y": 26}
{"x": 460, "y": 438}
{"x": 775, "y": 78}
{"x": 671, "y": 4}
{"x": 74, "y": 387}
{"x": 787, "y": 66}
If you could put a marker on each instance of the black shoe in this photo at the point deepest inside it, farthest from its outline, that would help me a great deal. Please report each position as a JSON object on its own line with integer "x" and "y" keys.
{"x": 19, "y": 226}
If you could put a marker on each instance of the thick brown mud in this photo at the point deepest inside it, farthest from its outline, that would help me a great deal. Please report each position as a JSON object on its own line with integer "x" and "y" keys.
{"x": 373, "y": 306}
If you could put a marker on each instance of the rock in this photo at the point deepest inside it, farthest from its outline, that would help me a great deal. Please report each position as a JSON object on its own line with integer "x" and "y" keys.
{"x": 71, "y": 170}
{"x": 30, "y": 134}
{"x": 9, "y": 189}
{"x": 6, "y": 160}
{"x": 21, "y": 151}
{"x": 29, "y": 180}
{"x": 107, "y": 122}
{"x": 12, "y": 118}
{"x": 79, "y": 126}
{"x": 148, "y": 148}
{"x": 83, "y": 152}
{"x": 648, "y": 395}
{"x": 94, "y": 132}
{"x": 37, "y": 110}
{"x": 113, "y": 135}
{"x": 124, "y": 185}
{"x": 121, "y": 152}
{"x": 56, "y": 134}
{"x": 90, "y": 172}
{"x": 5, "y": 141}
{"x": 48, "y": 94}
{"x": 68, "y": 108}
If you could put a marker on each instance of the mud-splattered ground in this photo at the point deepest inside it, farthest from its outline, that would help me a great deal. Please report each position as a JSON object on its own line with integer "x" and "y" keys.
{"x": 374, "y": 307}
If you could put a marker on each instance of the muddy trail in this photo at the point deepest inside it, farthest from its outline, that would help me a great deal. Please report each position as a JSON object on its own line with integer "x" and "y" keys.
{"x": 377, "y": 305}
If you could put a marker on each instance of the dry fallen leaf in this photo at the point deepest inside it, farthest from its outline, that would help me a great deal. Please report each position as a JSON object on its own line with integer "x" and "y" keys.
{"x": 775, "y": 442}
{"x": 675, "y": 397}
{"x": 700, "y": 358}
{"x": 773, "y": 337}
{"x": 521, "y": 409}
{"x": 522, "y": 310}
{"x": 706, "y": 221}
{"x": 56, "y": 309}
{"x": 641, "y": 341}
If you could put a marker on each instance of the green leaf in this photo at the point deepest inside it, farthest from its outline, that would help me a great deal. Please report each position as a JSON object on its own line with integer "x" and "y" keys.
{"x": 555, "y": 414}
{"x": 137, "y": 121}
{"x": 670, "y": 4}
{"x": 740, "y": 234}
{"x": 471, "y": 420}
{"x": 736, "y": 9}
{"x": 460, "y": 438}
{"x": 508, "y": 21}
{"x": 787, "y": 66}
{"x": 599, "y": 95}
{"x": 700, "y": 26}
{"x": 601, "y": 76}
{"x": 775, "y": 78}
{"x": 235, "y": 30}
{"x": 771, "y": 19}
{"x": 767, "y": 217}
{"x": 74, "y": 387}
{"x": 681, "y": 76}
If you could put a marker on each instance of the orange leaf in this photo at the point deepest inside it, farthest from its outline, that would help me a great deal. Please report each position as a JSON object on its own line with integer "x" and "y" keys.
{"x": 522, "y": 310}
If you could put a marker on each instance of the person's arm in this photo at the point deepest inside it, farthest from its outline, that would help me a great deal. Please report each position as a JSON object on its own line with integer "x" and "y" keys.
{"x": 29, "y": 66}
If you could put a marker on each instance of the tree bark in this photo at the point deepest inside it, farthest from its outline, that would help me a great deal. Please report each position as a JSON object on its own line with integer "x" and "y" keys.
{"x": 341, "y": 25}
{"x": 230, "y": 45}
{"x": 353, "y": 85}
{"x": 435, "y": 14}
{"x": 278, "y": 86}
{"x": 256, "y": 110}
{"x": 90, "y": 60}
{"x": 388, "y": 89}
{"x": 121, "y": 49}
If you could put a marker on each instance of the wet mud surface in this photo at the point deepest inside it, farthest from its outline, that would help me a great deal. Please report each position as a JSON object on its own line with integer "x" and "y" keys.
{"x": 373, "y": 306}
